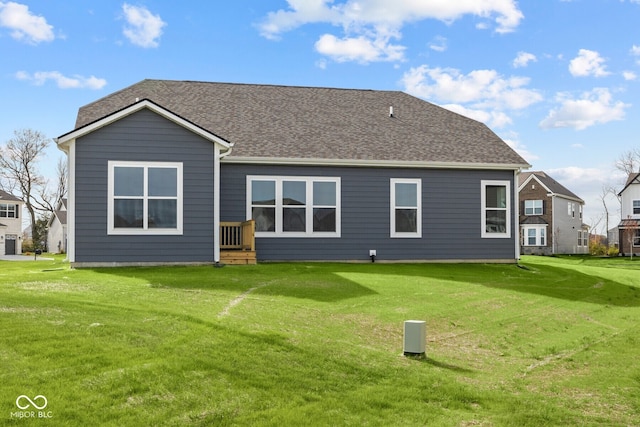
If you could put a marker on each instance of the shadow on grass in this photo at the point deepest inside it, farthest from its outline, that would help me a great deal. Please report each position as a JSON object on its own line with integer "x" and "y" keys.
{"x": 305, "y": 281}
{"x": 571, "y": 285}
{"x": 538, "y": 279}
{"x": 326, "y": 282}
{"x": 442, "y": 365}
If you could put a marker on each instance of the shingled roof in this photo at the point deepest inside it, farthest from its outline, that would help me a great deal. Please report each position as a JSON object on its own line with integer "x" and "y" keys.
{"x": 287, "y": 122}
{"x": 633, "y": 178}
{"x": 551, "y": 184}
{"x": 4, "y": 196}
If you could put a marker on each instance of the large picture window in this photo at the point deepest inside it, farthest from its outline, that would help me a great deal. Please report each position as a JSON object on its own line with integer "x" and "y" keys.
{"x": 406, "y": 208}
{"x": 294, "y": 206}
{"x": 145, "y": 198}
{"x": 496, "y": 209}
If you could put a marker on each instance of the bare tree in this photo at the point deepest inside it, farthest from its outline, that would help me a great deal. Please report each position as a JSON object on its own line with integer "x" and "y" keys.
{"x": 19, "y": 171}
{"x": 606, "y": 191}
{"x": 49, "y": 200}
{"x": 629, "y": 161}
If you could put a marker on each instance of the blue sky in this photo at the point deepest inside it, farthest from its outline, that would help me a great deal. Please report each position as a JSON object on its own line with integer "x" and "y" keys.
{"x": 558, "y": 80}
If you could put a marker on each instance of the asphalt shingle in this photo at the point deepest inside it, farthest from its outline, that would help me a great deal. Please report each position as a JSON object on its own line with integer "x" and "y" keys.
{"x": 289, "y": 122}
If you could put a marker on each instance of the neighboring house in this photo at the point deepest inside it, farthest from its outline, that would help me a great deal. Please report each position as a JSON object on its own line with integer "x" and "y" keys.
{"x": 57, "y": 229}
{"x": 10, "y": 224}
{"x": 156, "y": 170}
{"x": 550, "y": 217}
{"x": 613, "y": 237}
{"x": 629, "y": 227}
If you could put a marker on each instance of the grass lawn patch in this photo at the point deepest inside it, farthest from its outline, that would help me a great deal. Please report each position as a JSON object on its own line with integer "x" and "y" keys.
{"x": 552, "y": 342}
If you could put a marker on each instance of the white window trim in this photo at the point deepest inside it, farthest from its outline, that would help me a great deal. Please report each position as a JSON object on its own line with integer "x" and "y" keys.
{"x": 483, "y": 201}
{"x": 111, "y": 230}
{"x": 525, "y": 235}
{"x": 309, "y": 180}
{"x": 533, "y": 207}
{"x": 392, "y": 229}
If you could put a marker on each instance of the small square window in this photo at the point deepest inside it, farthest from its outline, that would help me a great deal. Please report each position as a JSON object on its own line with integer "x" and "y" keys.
{"x": 533, "y": 207}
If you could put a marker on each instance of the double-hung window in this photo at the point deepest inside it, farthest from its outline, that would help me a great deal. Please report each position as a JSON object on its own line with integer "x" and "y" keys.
{"x": 636, "y": 207}
{"x": 144, "y": 198}
{"x": 8, "y": 210}
{"x": 294, "y": 206}
{"x": 406, "y": 208}
{"x": 533, "y": 207}
{"x": 496, "y": 209}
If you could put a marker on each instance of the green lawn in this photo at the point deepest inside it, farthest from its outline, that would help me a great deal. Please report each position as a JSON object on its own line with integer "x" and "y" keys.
{"x": 553, "y": 342}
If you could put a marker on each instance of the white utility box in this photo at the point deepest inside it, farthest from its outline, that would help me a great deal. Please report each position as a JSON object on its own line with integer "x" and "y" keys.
{"x": 415, "y": 337}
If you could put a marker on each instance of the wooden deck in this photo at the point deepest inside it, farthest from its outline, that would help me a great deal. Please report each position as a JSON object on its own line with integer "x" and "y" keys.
{"x": 238, "y": 242}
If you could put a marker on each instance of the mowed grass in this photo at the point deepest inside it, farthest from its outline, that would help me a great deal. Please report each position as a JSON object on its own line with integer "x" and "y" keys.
{"x": 553, "y": 342}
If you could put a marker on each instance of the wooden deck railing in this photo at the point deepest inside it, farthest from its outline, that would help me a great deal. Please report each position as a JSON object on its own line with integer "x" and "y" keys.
{"x": 238, "y": 235}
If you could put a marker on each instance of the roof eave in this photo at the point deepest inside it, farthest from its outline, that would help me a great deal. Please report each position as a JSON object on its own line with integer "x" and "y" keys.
{"x": 374, "y": 163}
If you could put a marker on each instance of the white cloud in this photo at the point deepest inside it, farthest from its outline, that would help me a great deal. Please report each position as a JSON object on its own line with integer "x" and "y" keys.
{"x": 63, "y": 82}
{"x": 521, "y": 149}
{"x": 588, "y": 63}
{"x": 369, "y": 25}
{"x": 439, "y": 44}
{"x": 483, "y": 95}
{"x": 143, "y": 28}
{"x": 523, "y": 59}
{"x": 359, "y": 49}
{"x": 635, "y": 51}
{"x": 24, "y": 25}
{"x": 629, "y": 75}
{"x": 594, "y": 107}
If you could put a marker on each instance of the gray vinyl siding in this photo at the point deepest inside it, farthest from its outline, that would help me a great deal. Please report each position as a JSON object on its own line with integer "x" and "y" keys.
{"x": 566, "y": 227}
{"x": 148, "y": 137}
{"x": 451, "y": 215}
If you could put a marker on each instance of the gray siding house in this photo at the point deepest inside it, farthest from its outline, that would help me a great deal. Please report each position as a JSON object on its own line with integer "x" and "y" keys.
{"x": 10, "y": 224}
{"x": 629, "y": 227}
{"x": 157, "y": 170}
{"x": 550, "y": 217}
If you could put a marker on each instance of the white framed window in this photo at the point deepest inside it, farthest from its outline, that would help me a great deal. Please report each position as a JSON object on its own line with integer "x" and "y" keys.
{"x": 406, "y": 208}
{"x": 144, "y": 198}
{"x": 294, "y": 206}
{"x": 636, "y": 207}
{"x": 534, "y": 235}
{"x": 496, "y": 209}
{"x": 571, "y": 209}
{"x": 9, "y": 210}
{"x": 583, "y": 238}
{"x": 533, "y": 207}
{"x": 636, "y": 238}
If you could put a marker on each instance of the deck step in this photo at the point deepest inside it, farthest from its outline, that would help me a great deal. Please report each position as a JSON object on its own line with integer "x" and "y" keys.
{"x": 238, "y": 257}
